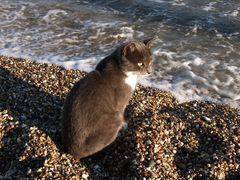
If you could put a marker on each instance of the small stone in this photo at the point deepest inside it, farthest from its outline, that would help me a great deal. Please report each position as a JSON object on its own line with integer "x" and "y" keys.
{"x": 237, "y": 131}
{"x": 97, "y": 167}
{"x": 24, "y": 125}
{"x": 135, "y": 162}
{"x": 148, "y": 142}
{"x": 166, "y": 132}
{"x": 181, "y": 165}
{"x": 153, "y": 175}
{"x": 221, "y": 176}
{"x": 23, "y": 117}
{"x": 151, "y": 164}
{"x": 161, "y": 142}
{"x": 85, "y": 176}
{"x": 18, "y": 140}
{"x": 207, "y": 119}
{"x": 195, "y": 104}
{"x": 29, "y": 171}
{"x": 156, "y": 149}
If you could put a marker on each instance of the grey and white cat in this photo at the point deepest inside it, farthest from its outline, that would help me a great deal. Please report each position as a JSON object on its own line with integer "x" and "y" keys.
{"x": 93, "y": 112}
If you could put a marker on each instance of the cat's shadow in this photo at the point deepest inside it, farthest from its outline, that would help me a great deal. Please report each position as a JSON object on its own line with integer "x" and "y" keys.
{"x": 32, "y": 106}
{"x": 211, "y": 148}
{"x": 29, "y": 106}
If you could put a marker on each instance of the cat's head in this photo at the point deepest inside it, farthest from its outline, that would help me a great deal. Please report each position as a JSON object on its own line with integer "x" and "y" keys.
{"x": 137, "y": 57}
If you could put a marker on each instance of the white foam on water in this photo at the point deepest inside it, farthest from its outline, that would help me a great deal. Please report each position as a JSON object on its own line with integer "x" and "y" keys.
{"x": 159, "y": 1}
{"x": 87, "y": 64}
{"x": 83, "y": 64}
{"x": 209, "y": 7}
{"x": 197, "y": 61}
{"x": 126, "y": 32}
{"x": 178, "y": 3}
{"x": 168, "y": 54}
{"x": 186, "y": 87}
{"x": 89, "y": 24}
{"x": 233, "y": 13}
{"x": 54, "y": 14}
{"x": 180, "y": 79}
{"x": 174, "y": 3}
{"x": 184, "y": 90}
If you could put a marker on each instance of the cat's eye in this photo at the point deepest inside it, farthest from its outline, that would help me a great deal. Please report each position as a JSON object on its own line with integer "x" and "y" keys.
{"x": 140, "y": 64}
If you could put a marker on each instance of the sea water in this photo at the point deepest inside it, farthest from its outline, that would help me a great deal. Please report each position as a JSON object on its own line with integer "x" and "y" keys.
{"x": 196, "y": 56}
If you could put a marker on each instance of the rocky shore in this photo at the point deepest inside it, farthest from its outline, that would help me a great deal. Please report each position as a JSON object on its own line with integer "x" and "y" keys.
{"x": 164, "y": 139}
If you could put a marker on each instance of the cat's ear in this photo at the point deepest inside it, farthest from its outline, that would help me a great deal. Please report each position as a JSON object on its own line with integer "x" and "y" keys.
{"x": 129, "y": 48}
{"x": 150, "y": 42}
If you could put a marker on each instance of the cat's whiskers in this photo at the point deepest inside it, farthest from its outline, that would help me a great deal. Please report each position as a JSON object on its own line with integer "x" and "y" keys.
{"x": 131, "y": 79}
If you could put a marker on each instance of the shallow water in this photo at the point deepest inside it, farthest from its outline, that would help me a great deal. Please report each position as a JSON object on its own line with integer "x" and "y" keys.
{"x": 196, "y": 56}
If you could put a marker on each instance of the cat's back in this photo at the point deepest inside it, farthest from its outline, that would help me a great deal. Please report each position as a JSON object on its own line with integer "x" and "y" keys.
{"x": 84, "y": 88}
{"x": 90, "y": 91}
{"x": 86, "y": 81}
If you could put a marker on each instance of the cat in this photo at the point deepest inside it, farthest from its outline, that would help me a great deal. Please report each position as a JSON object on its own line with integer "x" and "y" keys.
{"x": 93, "y": 111}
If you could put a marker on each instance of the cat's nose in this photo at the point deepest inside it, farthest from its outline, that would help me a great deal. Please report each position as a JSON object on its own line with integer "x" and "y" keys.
{"x": 149, "y": 70}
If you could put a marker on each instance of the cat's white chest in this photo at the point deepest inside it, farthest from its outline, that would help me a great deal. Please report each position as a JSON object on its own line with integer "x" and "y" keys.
{"x": 131, "y": 80}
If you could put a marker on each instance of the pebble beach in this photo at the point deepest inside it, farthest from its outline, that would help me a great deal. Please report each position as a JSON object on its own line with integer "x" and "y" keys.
{"x": 165, "y": 139}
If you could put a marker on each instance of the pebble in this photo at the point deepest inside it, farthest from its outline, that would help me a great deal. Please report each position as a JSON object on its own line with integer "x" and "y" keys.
{"x": 165, "y": 139}
{"x": 151, "y": 164}
{"x": 23, "y": 117}
{"x": 85, "y": 176}
{"x": 156, "y": 149}
{"x": 207, "y": 119}
{"x": 148, "y": 142}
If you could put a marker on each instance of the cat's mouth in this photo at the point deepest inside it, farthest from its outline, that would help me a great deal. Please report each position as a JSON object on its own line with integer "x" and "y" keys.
{"x": 149, "y": 71}
{"x": 146, "y": 74}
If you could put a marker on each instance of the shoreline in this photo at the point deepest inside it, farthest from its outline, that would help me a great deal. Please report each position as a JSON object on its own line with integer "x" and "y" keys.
{"x": 165, "y": 138}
